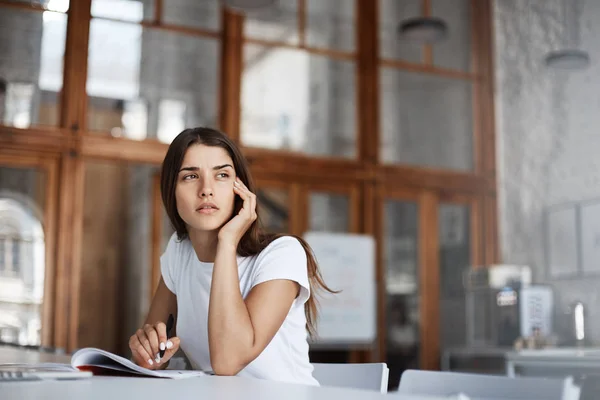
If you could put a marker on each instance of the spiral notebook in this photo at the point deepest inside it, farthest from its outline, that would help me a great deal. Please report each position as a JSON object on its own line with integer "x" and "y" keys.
{"x": 91, "y": 361}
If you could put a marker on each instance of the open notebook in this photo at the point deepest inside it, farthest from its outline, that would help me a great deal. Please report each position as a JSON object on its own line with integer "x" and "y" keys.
{"x": 102, "y": 362}
{"x": 98, "y": 362}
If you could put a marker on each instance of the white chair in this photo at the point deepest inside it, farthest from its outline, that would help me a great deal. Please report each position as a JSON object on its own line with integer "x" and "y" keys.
{"x": 486, "y": 387}
{"x": 369, "y": 376}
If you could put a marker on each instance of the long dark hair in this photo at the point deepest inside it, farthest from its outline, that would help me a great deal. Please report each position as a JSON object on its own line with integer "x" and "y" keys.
{"x": 255, "y": 239}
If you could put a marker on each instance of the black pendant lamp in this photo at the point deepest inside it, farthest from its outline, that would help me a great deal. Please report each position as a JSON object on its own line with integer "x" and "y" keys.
{"x": 424, "y": 30}
{"x": 570, "y": 57}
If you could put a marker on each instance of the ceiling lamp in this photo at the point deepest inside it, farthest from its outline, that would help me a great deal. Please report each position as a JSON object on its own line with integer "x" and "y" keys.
{"x": 569, "y": 57}
{"x": 423, "y": 29}
{"x": 248, "y": 5}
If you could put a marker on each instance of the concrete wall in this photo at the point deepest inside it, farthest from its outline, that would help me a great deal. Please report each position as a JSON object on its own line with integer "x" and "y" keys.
{"x": 547, "y": 137}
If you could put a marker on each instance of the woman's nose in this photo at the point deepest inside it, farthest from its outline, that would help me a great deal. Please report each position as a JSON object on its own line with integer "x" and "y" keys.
{"x": 205, "y": 189}
{"x": 206, "y": 192}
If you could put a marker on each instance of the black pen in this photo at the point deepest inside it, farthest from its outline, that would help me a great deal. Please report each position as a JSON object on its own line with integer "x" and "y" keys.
{"x": 170, "y": 323}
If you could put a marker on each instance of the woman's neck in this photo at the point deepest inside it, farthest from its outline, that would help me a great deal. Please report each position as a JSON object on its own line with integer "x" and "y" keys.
{"x": 204, "y": 244}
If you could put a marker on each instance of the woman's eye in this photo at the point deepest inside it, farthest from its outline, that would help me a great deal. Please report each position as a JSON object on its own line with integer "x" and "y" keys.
{"x": 223, "y": 175}
{"x": 188, "y": 177}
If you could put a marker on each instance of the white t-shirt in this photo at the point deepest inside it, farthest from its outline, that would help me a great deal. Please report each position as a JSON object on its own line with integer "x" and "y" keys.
{"x": 286, "y": 357}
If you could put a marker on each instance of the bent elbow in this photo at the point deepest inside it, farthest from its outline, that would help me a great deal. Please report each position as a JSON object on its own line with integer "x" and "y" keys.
{"x": 225, "y": 371}
{"x": 225, "y": 367}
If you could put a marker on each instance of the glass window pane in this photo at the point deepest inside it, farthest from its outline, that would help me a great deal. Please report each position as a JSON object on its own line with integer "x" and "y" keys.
{"x": 331, "y": 24}
{"x": 455, "y": 258}
{"x": 391, "y": 13}
{"x": 124, "y": 10}
{"x": 426, "y": 120}
{"x": 293, "y": 100}
{"x": 273, "y": 209}
{"x": 455, "y": 51}
{"x": 401, "y": 261}
{"x": 142, "y": 82}
{"x": 329, "y": 212}
{"x": 32, "y": 46}
{"x": 22, "y": 254}
{"x": 116, "y": 255}
{"x": 278, "y": 22}
{"x": 171, "y": 119}
{"x": 204, "y": 14}
{"x": 53, "y": 5}
{"x": 17, "y": 248}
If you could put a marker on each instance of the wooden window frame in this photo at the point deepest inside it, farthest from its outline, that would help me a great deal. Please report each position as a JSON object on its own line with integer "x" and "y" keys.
{"x": 70, "y": 144}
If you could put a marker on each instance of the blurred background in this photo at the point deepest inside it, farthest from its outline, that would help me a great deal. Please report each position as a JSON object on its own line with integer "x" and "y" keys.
{"x": 459, "y": 135}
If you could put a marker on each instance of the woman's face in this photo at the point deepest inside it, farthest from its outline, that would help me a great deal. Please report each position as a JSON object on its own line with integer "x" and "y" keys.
{"x": 204, "y": 190}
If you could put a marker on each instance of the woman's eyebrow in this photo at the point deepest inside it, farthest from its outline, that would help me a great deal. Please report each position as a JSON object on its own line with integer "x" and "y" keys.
{"x": 189, "y": 169}
{"x": 217, "y": 167}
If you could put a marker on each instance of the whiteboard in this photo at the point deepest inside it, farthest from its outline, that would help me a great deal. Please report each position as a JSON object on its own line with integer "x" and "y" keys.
{"x": 590, "y": 238}
{"x": 347, "y": 263}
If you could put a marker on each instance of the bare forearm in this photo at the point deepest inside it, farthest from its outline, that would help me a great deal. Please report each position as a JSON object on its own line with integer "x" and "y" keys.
{"x": 230, "y": 331}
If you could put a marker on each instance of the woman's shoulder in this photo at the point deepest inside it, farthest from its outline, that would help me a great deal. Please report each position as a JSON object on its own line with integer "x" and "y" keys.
{"x": 283, "y": 258}
{"x": 284, "y": 242}
{"x": 282, "y": 246}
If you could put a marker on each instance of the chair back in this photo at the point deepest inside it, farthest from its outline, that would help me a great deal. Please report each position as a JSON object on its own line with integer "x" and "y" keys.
{"x": 486, "y": 387}
{"x": 369, "y": 376}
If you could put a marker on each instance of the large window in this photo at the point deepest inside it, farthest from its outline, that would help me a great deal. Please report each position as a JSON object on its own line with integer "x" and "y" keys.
{"x": 32, "y": 46}
{"x": 426, "y": 101}
{"x": 146, "y": 82}
{"x": 298, "y": 82}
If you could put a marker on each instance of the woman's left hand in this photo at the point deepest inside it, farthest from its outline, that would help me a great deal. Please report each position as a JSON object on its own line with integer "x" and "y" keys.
{"x": 233, "y": 231}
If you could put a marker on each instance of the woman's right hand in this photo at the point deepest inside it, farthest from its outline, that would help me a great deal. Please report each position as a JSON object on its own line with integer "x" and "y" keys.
{"x": 146, "y": 343}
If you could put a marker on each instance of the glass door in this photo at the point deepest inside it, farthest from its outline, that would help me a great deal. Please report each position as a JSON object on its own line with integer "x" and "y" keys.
{"x": 401, "y": 259}
{"x": 459, "y": 250}
{"x": 332, "y": 209}
{"x": 428, "y": 241}
{"x": 27, "y": 241}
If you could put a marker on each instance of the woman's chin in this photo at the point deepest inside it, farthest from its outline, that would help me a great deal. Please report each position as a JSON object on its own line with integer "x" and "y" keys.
{"x": 206, "y": 226}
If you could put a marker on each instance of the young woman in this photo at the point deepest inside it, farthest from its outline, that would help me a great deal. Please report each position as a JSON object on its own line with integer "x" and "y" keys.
{"x": 242, "y": 299}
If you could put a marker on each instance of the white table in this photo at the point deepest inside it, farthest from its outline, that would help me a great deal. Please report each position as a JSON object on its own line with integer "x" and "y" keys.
{"x": 554, "y": 362}
{"x": 9, "y": 354}
{"x": 203, "y": 387}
